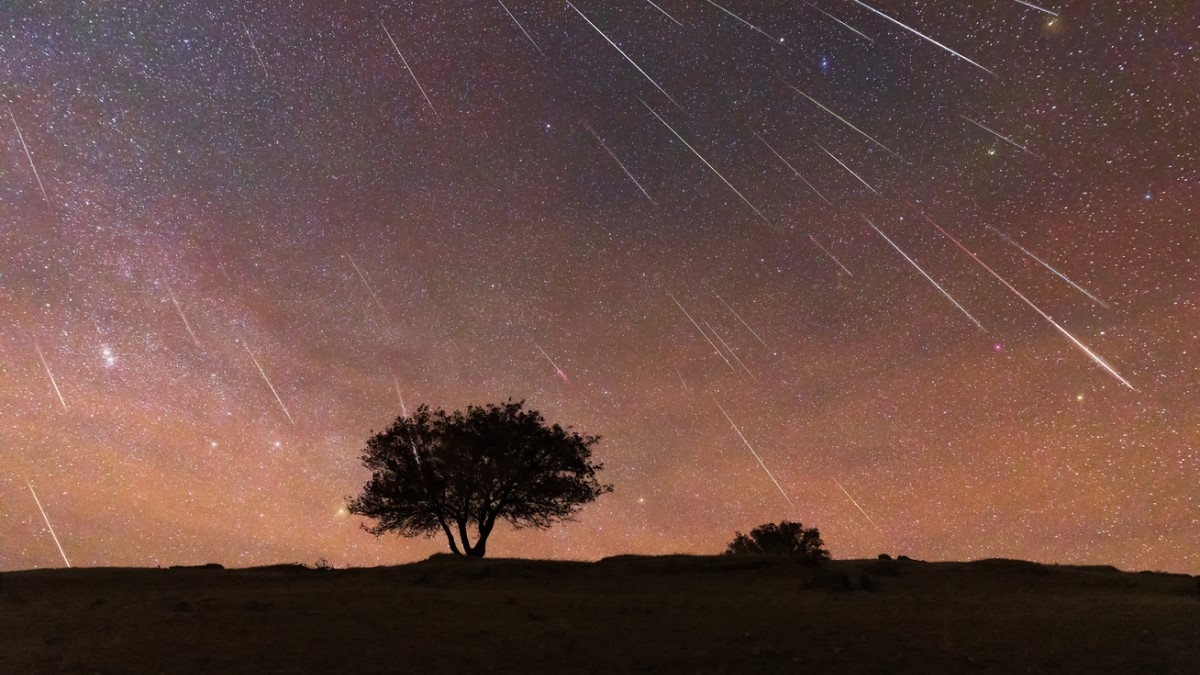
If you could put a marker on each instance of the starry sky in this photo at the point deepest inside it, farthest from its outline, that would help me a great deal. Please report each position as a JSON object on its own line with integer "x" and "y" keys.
{"x": 919, "y": 273}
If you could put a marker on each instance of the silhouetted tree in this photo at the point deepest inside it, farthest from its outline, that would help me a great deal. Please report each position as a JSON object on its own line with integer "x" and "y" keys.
{"x": 786, "y": 538}
{"x": 434, "y": 471}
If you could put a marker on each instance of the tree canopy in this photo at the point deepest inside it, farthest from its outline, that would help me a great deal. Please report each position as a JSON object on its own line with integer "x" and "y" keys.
{"x": 786, "y": 539}
{"x": 434, "y": 471}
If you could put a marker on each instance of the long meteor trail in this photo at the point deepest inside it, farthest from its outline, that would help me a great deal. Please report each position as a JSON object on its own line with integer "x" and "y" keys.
{"x": 831, "y": 256}
{"x": 627, "y": 57}
{"x": 29, "y": 156}
{"x": 617, "y": 160}
{"x": 1074, "y": 340}
{"x": 1040, "y": 9}
{"x": 666, "y": 13}
{"x": 794, "y": 170}
{"x": 1045, "y": 264}
{"x": 49, "y": 374}
{"x": 852, "y": 29}
{"x": 268, "y": 381}
{"x": 701, "y": 330}
{"x": 367, "y": 285}
{"x": 510, "y": 15}
{"x": 751, "y": 448}
{"x": 999, "y": 135}
{"x": 774, "y": 40}
{"x": 409, "y": 69}
{"x": 256, "y": 50}
{"x": 860, "y": 509}
{"x": 925, "y": 37}
{"x": 843, "y": 164}
{"x": 739, "y": 318}
{"x": 48, "y": 525}
{"x": 179, "y": 309}
{"x": 710, "y": 166}
{"x": 558, "y": 371}
{"x": 843, "y": 120}
{"x": 924, "y": 274}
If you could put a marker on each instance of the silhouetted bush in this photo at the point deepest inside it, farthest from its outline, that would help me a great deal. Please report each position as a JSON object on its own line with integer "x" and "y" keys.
{"x": 785, "y": 539}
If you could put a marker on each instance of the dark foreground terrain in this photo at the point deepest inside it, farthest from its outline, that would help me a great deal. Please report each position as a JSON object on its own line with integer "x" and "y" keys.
{"x": 626, "y": 614}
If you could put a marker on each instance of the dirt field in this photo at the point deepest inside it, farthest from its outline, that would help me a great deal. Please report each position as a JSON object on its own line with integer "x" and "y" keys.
{"x": 627, "y": 614}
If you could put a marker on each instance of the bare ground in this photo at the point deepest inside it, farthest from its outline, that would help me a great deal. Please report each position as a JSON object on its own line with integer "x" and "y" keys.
{"x": 676, "y": 614}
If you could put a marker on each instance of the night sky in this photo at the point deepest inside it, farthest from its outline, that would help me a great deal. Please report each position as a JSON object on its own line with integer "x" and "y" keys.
{"x": 237, "y": 237}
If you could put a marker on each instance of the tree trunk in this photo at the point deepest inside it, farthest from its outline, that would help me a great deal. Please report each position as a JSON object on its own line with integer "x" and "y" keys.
{"x": 450, "y": 537}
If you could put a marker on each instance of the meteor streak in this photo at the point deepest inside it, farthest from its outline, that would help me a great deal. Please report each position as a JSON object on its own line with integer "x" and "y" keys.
{"x": 730, "y": 350}
{"x": 843, "y": 23}
{"x": 1040, "y": 9}
{"x": 924, "y": 273}
{"x": 1074, "y": 340}
{"x": 665, "y": 13}
{"x": 403, "y": 408}
{"x": 860, "y": 178}
{"x": 739, "y": 318}
{"x": 751, "y": 448}
{"x": 49, "y": 374}
{"x": 860, "y": 509}
{"x": 256, "y": 51}
{"x": 775, "y": 40}
{"x": 29, "y": 156}
{"x": 510, "y": 15}
{"x": 48, "y": 525}
{"x": 367, "y": 285}
{"x": 1045, "y": 264}
{"x": 627, "y": 58}
{"x": 1000, "y": 136}
{"x": 409, "y": 69}
{"x": 925, "y": 37}
{"x": 831, "y": 256}
{"x": 841, "y": 119}
{"x": 705, "y": 335}
{"x": 710, "y": 166}
{"x": 789, "y": 165}
{"x": 558, "y": 371}
{"x": 268, "y": 381}
{"x": 618, "y": 161}
{"x": 179, "y": 309}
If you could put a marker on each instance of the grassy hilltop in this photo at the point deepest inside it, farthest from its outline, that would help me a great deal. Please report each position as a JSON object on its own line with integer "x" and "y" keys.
{"x": 626, "y": 614}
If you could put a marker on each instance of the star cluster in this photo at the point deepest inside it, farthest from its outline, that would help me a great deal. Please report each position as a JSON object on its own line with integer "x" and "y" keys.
{"x": 920, "y": 273}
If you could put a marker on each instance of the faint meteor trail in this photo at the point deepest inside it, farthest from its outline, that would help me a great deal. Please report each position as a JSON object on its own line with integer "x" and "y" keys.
{"x": 627, "y": 57}
{"x": 48, "y": 525}
{"x": 268, "y": 381}
{"x": 860, "y": 509}
{"x": 925, "y": 37}
{"x": 730, "y": 350}
{"x": 256, "y": 51}
{"x": 702, "y": 333}
{"x": 179, "y": 309}
{"x": 794, "y": 170}
{"x": 49, "y": 374}
{"x": 925, "y": 274}
{"x": 409, "y": 69}
{"x": 831, "y": 256}
{"x": 29, "y": 156}
{"x": 843, "y": 23}
{"x": 774, "y": 40}
{"x": 1074, "y": 340}
{"x": 999, "y": 135}
{"x": 510, "y": 15}
{"x": 739, "y": 318}
{"x": 1040, "y": 9}
{"x": 665, "y": 13}
{"x": 1045, "y": 264}
{"x": 843, "y": 120}
{"x": 366, "y": 285}
{"x": 682, "y": 381}
{"x": 710, "y": 166}
{"x": 403, "y": 408}
{"x": 558, "y": 371}
{"x": 835, "y": 158}
{"x": 751, "y": 448}
{"x": 617, "y": 160}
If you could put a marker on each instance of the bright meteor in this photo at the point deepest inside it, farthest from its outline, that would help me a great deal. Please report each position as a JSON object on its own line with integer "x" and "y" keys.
{"x": 751, "y": 449}
{"x": 627, "y": 57}
{"x": 925, "y": 37}
{"x": 48, "y": 525}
